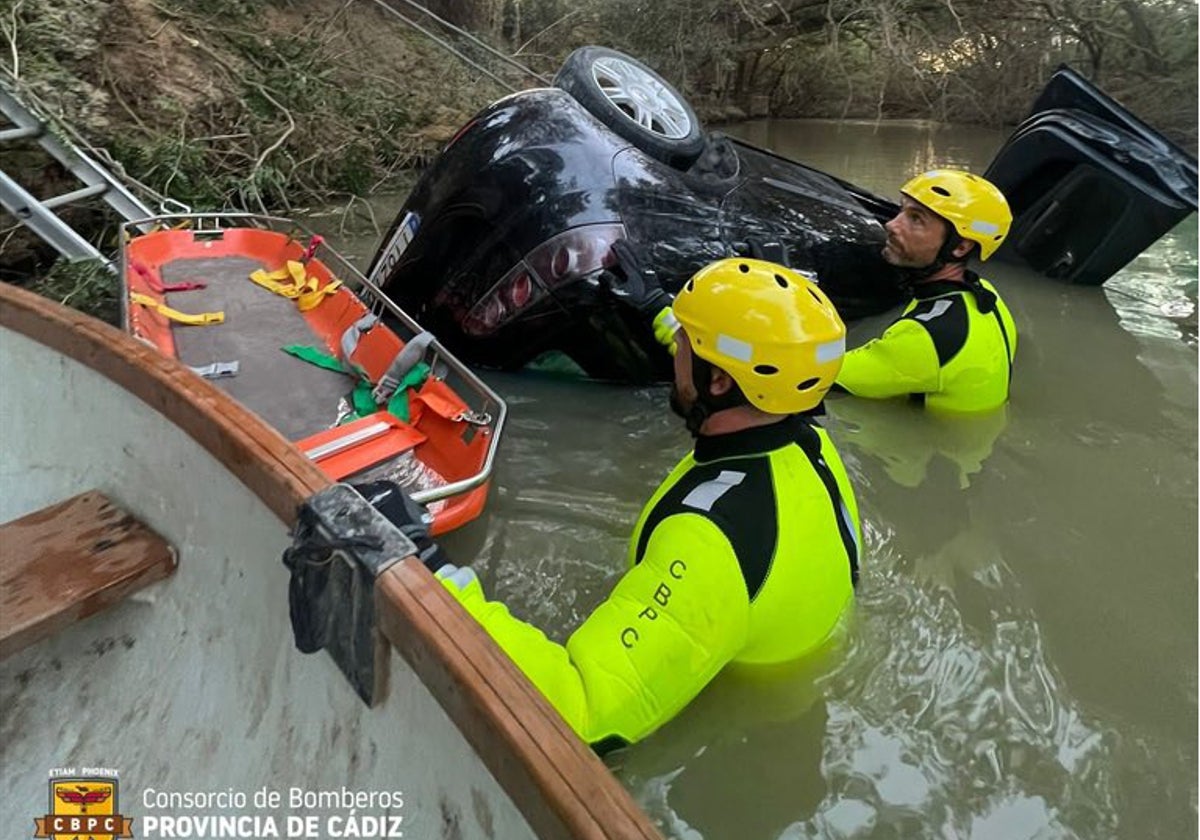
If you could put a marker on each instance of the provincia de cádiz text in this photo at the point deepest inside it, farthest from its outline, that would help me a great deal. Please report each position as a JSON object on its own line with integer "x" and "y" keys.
{"x": 266, "y": 812}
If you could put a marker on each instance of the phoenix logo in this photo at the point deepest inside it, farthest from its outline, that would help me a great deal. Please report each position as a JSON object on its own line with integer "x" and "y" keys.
{"x": 83, "y": 809}
{"x": 83, "y": 797}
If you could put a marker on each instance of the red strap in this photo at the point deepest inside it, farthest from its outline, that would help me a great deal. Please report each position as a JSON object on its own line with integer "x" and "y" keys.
{"x": 159, "y": 286}
{"x": 313, "y": 244}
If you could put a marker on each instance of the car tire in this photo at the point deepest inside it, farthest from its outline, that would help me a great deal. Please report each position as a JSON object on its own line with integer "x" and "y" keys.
{"x": 635, "y": 102}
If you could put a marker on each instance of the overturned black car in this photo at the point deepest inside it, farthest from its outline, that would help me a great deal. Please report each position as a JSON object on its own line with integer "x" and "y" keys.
{"x": 505, "y": 244}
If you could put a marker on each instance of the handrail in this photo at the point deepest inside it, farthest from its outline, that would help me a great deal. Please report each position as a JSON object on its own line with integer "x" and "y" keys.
{"x": 489, "y": 404}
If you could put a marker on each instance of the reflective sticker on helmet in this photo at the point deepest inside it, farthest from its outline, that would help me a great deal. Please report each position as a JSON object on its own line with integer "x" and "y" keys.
{"x": 734, "y": 348}
{"x": 831, "y": 350}
{"x": 987, "y": 228}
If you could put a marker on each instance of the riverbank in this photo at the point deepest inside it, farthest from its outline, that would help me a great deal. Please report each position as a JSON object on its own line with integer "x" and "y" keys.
{"x": 230, "y": 102}
{"x": 227, "y": 103}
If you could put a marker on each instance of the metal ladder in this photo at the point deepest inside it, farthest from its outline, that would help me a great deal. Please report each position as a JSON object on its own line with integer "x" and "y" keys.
{"x": 38, "y": 214}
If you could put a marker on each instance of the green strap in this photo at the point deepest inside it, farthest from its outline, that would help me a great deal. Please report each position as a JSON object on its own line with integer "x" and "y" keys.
{"x": 361, "y": 398}
{"x": 398, "y": 404}
{"x": 315, "y": 357}
{"x": 364, "y": 403}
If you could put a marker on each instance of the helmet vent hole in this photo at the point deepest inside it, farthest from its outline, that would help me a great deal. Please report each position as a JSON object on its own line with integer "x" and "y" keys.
{"x": 742, "y": 267}
{"x": 766, "y": 370}
{"x": 816, "y": 297}
{"x": 940, "y": 191}
{"x": 783, "y": 283}
{"x": 808, "y": 384}
{"x": 691, "y": 285}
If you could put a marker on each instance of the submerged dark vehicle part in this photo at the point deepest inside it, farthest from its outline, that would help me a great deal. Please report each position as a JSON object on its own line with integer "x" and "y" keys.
{"x": 500, "y": 248}
{"x": 1091, "y": 186}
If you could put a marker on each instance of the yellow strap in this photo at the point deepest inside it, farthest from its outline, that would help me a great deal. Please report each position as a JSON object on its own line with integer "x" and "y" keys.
{"x": 271, "y": 283}
{"x": 201, "y": 319}
{"x": 298, "y": 272}
{"x": 312, "y": 299}
{"x": 302, "y": 288}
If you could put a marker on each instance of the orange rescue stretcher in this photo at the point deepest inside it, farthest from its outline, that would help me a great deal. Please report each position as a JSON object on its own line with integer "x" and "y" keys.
{"x": 268, "y": 312}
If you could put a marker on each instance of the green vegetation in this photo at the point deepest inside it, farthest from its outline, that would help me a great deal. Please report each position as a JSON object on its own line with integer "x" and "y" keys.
{"x": 967, "y": 61}
{"x": 88, "y": 286}
{"x": 231, "y": 103}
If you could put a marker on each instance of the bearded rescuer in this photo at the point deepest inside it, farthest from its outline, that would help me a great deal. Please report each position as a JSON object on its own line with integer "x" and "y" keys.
{"x": 747, "y": 552}
{"x": 953, "y": 346}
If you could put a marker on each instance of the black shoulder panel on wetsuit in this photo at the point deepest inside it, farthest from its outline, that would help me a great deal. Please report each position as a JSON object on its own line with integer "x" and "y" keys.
{"x": 947, "y": 322}
{"x": 745, "y": 511}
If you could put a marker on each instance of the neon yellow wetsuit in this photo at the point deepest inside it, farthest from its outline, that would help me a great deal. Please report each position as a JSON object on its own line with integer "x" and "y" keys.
{"x": 745, "y": 553}
{"x": 954, "y": 346}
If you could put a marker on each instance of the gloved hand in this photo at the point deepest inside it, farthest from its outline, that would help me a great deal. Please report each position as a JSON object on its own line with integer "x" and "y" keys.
{"x": 411, "y": 518}
{"x": 665, "y": 326}
{"x": 771, "y": 250}
{"x": 631, "y": 281}
{"x": 461, "y": 578}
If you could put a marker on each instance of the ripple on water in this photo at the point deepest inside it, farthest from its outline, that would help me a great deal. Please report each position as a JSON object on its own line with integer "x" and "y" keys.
{"x": 1155, "y": 295}
{"x": 958, "y": 731}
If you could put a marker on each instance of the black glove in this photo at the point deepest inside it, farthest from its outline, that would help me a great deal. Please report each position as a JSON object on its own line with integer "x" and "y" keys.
{"x": 309, "y": 594}
{"x": 634, "y": 283}
{"x": 771, "y": 250}
{"x": 411, "y": 518}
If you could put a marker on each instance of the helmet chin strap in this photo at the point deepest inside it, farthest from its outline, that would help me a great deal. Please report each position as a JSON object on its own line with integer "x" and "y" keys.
{"x": 705, "y": 404}
{"x": 945, "y": 256}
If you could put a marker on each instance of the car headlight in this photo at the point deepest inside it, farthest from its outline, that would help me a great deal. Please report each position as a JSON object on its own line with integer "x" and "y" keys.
{"x": 568, "y": 256}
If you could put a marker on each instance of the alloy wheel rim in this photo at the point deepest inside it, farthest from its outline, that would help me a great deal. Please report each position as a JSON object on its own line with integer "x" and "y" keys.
{"x": 641, "y": 98}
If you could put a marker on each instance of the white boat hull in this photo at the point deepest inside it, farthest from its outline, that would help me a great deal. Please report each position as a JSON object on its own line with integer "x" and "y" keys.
{"x": 193, "y": 685}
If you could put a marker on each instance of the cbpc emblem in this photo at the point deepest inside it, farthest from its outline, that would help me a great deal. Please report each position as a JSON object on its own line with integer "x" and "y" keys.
{"x": 83, "y": 809}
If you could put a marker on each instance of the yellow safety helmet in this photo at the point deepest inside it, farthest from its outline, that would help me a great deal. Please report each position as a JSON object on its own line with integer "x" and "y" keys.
{"x": 769, "y": 327}
{"x": 976, "y": 208}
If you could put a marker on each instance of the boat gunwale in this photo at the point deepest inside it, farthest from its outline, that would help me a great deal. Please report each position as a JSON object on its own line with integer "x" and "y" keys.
{"x": 556, "y": 782}
{"x": 560, "y": 785}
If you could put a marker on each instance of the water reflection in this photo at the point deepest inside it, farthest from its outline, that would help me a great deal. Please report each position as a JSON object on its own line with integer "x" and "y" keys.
{"x": 965, "y": 725}
{"x": 743, "y": 760}
{"x": 1155, "y": 295}
{"x": 878, "y": 156}
{"x": 906, "y": 439}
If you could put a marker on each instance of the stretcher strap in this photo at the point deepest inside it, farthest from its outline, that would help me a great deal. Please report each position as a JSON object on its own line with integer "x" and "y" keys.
{"x": 156, "y": 285}
{"x": 314, "y": 242}
{"x": 354, "y": 332}
{"x": 200, "y": 319}
{"x": 315, "y": 357}
{"x": 311, "y": 298}
{"x": 294, "y": 283}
